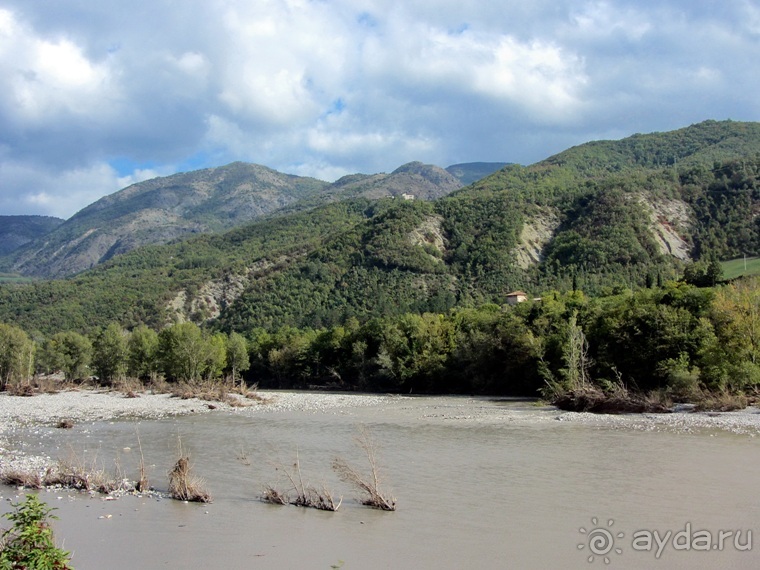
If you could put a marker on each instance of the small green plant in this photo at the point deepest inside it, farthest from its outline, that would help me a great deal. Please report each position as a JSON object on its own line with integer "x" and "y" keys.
{"x": 29, "y": 543}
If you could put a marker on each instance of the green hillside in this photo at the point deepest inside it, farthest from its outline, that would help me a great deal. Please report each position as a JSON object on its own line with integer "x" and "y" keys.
{"x": 203, "y": 201}
{"x": 138, "y": 287}
{"x": 17, "y": 231}
{"x": 13, "y": 278}
{"x": 604, "y": 217}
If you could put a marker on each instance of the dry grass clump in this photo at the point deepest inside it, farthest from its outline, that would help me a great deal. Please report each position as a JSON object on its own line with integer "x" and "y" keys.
{"x": 305, "y": 495}
{"x": 185, "y": 486}
{"x": 39, "y": 384}
{"x": 65, "y": 424}
{"x": 274, "y": 496}
{"x": 368, "y": 485}
{"x": 158, "y": 385}
{"x": 590, "y": 398}
{"x": 721, "y": 401}
{"x": 71, "y": 473}
{"x": 130, "y": 387}
{"x": 236, "y": 402}
{"x": 76, "y": 473}
{"x": 186, "y": 391}
{"x": 142, "y": 484}
{"x": 203, "y": 390}
{"x": 18, "y": 389}
{"x": 619, "y": 399}
{"x": 322, "y": 499}
{"x": 215, "y": 391}
{"x": 19, "y": 478}
{"x": 252, "y": 393}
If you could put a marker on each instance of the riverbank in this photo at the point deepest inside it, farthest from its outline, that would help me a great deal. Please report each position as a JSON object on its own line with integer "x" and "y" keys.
{"x": 30, "y": 416}
{"x": 73, "y": 407}
{"x": 85, "y": 406}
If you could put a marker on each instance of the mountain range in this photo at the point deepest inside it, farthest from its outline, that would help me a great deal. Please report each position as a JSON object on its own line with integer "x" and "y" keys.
{"x": 17, "y": 231}
{"x": 604, "y": 217}
{"x": 203, "y": 201}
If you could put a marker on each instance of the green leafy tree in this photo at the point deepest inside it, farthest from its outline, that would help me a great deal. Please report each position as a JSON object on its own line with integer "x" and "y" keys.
{"x": 215, "y": 355}
{"x": 237, "y": 355}
{"x": 577, "y": 360}
{"x": 142, "y": 353}
{"x": 714, "y": 272}
{"x": 414, "y": 350}
{"x": 109, "y": 357}
{"x": 29, "y": 544}
{"x": 734, "y": 356}
{"x": 187, "y": 353}
{"x": 16, "y": 355}
{"x": 703, "y": 273}
{"x": 69, "y": 352}
{"x": 182, "y": 351}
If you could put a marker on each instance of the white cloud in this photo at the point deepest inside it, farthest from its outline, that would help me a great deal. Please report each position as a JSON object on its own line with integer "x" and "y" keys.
{"x": 541, "y": 78}
{"x": 328, "y": 88}
{"x": 192, "y": 63}
{"x": 60, "y": 193}
{"x": 140, "y": 175}
{"x": 284, "y": 60}
{"x": 46, "y": 77}
{"x": 607, "y": 19}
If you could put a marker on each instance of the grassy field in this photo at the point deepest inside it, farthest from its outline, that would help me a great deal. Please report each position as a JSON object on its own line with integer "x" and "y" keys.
{"x": 13, "y": 278}
{"x": 736, "y": 267}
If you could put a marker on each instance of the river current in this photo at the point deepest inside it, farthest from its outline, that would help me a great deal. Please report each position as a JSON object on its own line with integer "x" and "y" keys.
{"x": 479, "y": 483}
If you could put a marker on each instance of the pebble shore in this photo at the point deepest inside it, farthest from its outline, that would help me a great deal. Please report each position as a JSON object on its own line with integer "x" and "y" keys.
{"x": 741, "y": 422}
{"x": 84, "y": 406}
{"x": 18, "y": 414}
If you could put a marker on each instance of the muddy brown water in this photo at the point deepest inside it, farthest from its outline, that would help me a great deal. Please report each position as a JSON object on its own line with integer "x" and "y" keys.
{"x": 480, "y": 484}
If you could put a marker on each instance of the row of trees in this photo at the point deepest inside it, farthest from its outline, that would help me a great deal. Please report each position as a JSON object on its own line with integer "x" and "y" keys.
{"x": 180, "y": 352}
{"x": 678, "y": 337}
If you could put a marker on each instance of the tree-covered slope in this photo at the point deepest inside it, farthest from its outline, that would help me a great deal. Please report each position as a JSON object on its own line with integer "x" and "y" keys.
{"x": 614, "y": 218}
{"x": 17, "y": 231}
{"x": 142, "y": 286}
{"x": 159, "y": 210}
{"x": 205, "y": 201}
{"x": 602, "y": 217}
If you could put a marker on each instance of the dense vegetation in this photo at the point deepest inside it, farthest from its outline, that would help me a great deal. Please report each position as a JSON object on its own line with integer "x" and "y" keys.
{"x": 203, "y": 201}
{"x": 407, "y": 295}
{"x": 679, "y": 337}
{"x": 16, "y": 231}
{"x": 678, "y": 340}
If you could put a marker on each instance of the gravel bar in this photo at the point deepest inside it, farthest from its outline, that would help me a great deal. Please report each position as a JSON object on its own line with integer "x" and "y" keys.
{"x": 84, "y": 406}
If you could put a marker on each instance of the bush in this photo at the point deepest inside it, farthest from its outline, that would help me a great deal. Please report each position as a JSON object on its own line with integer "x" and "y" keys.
{"x": 29, "y": 543}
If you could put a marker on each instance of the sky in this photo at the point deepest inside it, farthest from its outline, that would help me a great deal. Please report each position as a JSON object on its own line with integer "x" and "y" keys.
{"x": 95, "y": 96}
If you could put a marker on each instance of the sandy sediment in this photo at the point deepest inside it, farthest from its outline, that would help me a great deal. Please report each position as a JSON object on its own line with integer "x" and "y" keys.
{"x": 19, "y": 414}
{"x": 91, "y": 405}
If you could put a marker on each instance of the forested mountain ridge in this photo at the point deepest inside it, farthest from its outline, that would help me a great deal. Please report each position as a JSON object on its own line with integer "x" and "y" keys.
{"x": 159, "y": 210}
{"x": 602, "y": 217}
{"x": 210, "y": 200}
{"x": 17, "y": 231}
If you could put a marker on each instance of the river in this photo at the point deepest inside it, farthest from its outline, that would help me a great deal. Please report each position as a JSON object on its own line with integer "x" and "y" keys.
{"x": 480, "y": 483}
